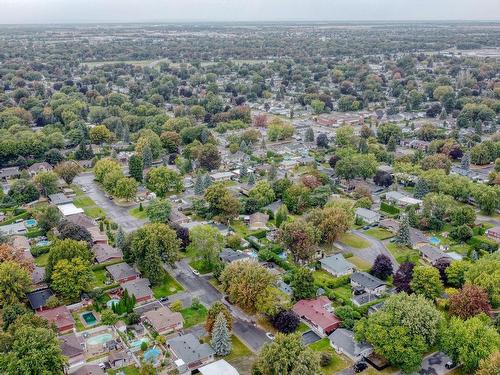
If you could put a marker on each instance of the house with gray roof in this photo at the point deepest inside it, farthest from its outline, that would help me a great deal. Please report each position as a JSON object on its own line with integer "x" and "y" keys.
{"x": 229, "y": 255}
{"x": 337, "y": 265}
{"x": 140, "y": 288}
{"x": 342, "y": 340}
{"x": 188, "y": 349}
{"x": 122, "y": 272}
{"x": 59, "y": 198}
{"x": 432, "y": 254}
{"x": 366, "y": 288}
{"x": 368, "y": 216}
{"x": 10, "y": 172}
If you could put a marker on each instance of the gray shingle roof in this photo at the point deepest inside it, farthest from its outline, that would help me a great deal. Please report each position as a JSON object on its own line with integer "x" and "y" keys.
{"x": 189, "y": 349}
{"x": 337, "y": 263}
{"x": 344, "y": 339}
{"x": 366, "y": 280}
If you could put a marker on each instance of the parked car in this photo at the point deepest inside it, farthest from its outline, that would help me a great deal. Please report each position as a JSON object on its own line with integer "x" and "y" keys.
{"x": 195, "y": 272}
{"x": 270, "y": 336}
{"x": 366, "y": 227}
{"x": 164, "y": 299}
{"x": 360, "y": 366}
{"x": 449, "y": 365}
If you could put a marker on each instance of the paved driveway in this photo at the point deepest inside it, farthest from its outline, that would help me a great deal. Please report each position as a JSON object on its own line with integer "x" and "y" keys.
{"x": 434, "y": 364}
{"x": 114, "y": 212}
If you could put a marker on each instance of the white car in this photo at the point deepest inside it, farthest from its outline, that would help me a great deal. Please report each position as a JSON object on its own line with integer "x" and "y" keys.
{"x": 195, "y": 272}
{"x": 270, "y": 336}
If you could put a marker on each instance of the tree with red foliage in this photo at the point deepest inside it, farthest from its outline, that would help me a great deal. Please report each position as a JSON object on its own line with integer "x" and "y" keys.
{"x": 441, "y": 265}
{"x": 260, "y": 120}
{"x": 382, "y": 267}
{"x": 286, "y": 321}
{"x": 470, "y": 301}
{"x": 333, "y": 161}
{"x": 403, "y": 276}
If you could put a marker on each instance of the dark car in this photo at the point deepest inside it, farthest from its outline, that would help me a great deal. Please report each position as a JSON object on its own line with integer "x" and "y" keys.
{"x": 366, "y": 227}
{"x": 360, "y": 366}
{"x": 163, "y": 299}
{"x": 449, "y": 365}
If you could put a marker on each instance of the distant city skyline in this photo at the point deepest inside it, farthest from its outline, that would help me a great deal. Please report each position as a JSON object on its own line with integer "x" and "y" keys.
{"x": 116, "y": 11}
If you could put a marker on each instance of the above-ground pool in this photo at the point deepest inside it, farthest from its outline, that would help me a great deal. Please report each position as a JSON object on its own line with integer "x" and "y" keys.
{"x": 112, "y": 302}
{"x": 100, "y": 339}
{"x": 43, "y": 243}
{"x": 89, "y": 318}
{"x": 434, "y": 240}
{"x": 30, "y": 223}
{"x": 137, "y": 343}
{"x": 152, "y": 355}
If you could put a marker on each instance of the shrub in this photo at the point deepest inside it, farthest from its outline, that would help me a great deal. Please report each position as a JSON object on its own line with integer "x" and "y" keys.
{"x": 390, "y": 209}
{"x": 325, "y": 359}
{"x": 176, "y": 306}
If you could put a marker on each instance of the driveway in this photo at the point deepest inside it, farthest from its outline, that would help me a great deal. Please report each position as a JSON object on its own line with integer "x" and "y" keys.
{"x": 251, "y": 335}
{"x": 118, "y": 214}
{"x": 434, "y": 364}
{"x": 368, "y": 254}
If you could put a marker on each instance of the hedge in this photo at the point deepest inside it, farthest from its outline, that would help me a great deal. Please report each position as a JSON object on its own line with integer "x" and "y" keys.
{"x": 389, "y": 208}
{"x": 36, "y": 251}
{"x": 23, "y": 215}
{"x": 483, "y": 243}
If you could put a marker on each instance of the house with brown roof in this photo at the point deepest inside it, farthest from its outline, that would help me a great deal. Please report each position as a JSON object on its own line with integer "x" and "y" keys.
{"x": 39, "y": 167}
{"x": 81, "y": 220}
{"x": 60, "y": 316}
{"x": 258, "y": 220}
{"x": 89, "y": 370}
{"x": 72, "y": 347}
{"x": 118, "y": 359}
{"x": 494, "y": 233}
{"x": 140, "y": 288}
{"x": 98, "y": 237}
{"x": 163, "y": 320}
{"x": 105, "y": 253}
{"x": 122, "y": 272}
{"x": 317, "y": 314}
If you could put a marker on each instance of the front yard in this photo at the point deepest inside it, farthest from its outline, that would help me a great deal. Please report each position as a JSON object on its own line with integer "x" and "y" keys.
{"x": 379, "y": 233}
{"x": 193, "y": 316}
{"x": 87, "y": 204}
{"x": 166, "y": 287}
{"x": 353, "y": 241}
{"x": 137, "y": 213}
{"x": 403, "y": 253}
{"x": 338, "y": 362}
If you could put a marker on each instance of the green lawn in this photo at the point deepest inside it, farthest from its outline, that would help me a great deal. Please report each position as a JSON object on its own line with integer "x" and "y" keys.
{"x": 303, "y": 327}
{"x": 89, "y": 207}
{"x": 361, "y": 264}
{"x": 200, "y": 266}
{"x": 129, "y": 370}
{"x": 321, "y": 276}
{"x": 193, "y": 317}
{"x": 379, "y": 233}
{"x": 137, "y": 213}
{"x": 238, "y": 349}
{"x": 166, "y": 287}
{"x": 78, "y": 323}
{"x": 100, "y": 277}
{"x": 41, "y": 261}
{"x": 462, "y": 249}
{"x": 403, "y": 253}
{"x": 344, "y": 291}
{"x": 354, "y": 241}
{"x": 338, "y": 363}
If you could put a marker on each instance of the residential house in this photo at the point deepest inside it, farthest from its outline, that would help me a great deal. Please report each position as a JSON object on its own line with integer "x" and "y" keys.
{"x": 73, "y": 347}
{"x": 342, "y": 340}
{"x": 69, "y": 209}
{"x": 38, "y": 278}
{"x": 317, "y": 313}
{"x": 59, "y": 198}
{"x": 220, "y": 367}
{"x": 229, "y": 255}
{"x": 188, "y": 349}
{"x": 118, "y": 359}
{"x": 82, "y": 220}
{"x": 493, "y": 233}
{"x": 222, "y": 176}
{"x": 105, "y": 253}
{"x": 163, "y": 320}
{"x": 38, "y": 299}
{"x": 122, "y": 272}
{"x": 39, "y": 167}
{"x": 258, "y": 220}
{"x": 432, "y": 254}
{"x": 60, "y": 316}
{"x": 417, "y": 238}
{"x": 10, "y": 172}
{"x": 366, "y": 288}
{"x": 98, "y": 237}
{"x": 390, "y": 224}
{"x": 88, "y": 370}
{"x": 337, "y": 265}
{"x": 368, "y": 216}
{"x": 140, "y": 288}
{"x": 401, "y": 199}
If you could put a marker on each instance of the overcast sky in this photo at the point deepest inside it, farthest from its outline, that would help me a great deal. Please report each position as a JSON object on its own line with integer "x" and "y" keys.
{"x": 68, "y": 11}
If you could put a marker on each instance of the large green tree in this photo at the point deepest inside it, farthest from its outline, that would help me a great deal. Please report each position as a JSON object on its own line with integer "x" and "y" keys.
{"x": 71, "y": 277}
{"x": 206, "y": 244}
{"x": 158, "y": 210}
{"x": 427, "y": 282}
{"x": 66, "y": 249}
{"x": 15, "y": 282}
{"x": 162, "y": 180}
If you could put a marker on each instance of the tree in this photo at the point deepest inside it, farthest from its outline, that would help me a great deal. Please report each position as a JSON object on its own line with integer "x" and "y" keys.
{"x": 206, "y": 244}
{"x": 16, "y": 255}
{"x": 487, "y": 197}
{"x": 199, "y": 187}
{"x": 71, "y": 277}
{"x": 151, "y": 245}
{"x": 148, "y": 139}
{"x": 11, "y": 312}
{"x": 120, "y": 238}
{"x": 322, "y": 140}
{"x": 162, "y": 180}
{"x": 300, "y": 238}
{"x": 286, "y": 321}
{"x": 382, "y": 267}
{"x": 46, "y": 182}
{"x": 108, "y": 317}
{"x": 484, "y": 273}
{"x": 281, "y": 215}
{"x": 309, "y": 135}
{"x": 421, "y": 188}
{"x": 48, "y": 218}
{"x": 176, "y": 305}
{"x": 470, "y": 301}
{"x": 244, "y": 282}
{"x": 209, "y": 157}
{"x": 15, "y": 282}
{"x": 403, "y": 236}
{"x": 68, "y": 170}
{"x": 386, "y": 131}
{"x": 105, "y": 167}
{"x": 66, "y": 249}
{"x": 251, "y": 179}
{"x": 171, "y": 141}
{"x": 135, "y": 167}
{"x": 158, "y": 210}
{"x": 23, "y": 191}
{"x": 403, "y": 276}
{"x": 287, "y": 355}
{"x": 68, "y": 229}
{"x": 455, "y": 272}
{"x": 217, "y": 308}
{"x": 221, "y": 203}
{"x": 221, "y": 340}
{"x": 33, "y": 350}
{"x": 278, "y": 130}
{"x": 470, "y": 341}
{"x": 54, "y": 156}
{"x": 490, "y": 365}
{"x": 461, "y": 233}
{"x": 302, "y": 284}
{"x": 126, "y": 188}
{"x": 348, "y": 315}
{"x": 427, "y": 282}
{"x": 402, "y": 331}
{"x": 263, "y": 193}
{"x": 147, "y": 157}
{"x": 100, "y": 134}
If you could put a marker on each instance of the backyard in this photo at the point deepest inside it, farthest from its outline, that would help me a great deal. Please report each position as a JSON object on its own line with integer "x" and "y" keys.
{"x": 194, "y": 315}
{"x": 403, "y": 253}
{"x": 338, "y": 363}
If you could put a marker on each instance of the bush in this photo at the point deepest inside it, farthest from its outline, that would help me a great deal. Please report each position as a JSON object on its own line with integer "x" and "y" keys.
{"x": 176, "y": 306}
{"x": 36, "y": 251}
{"x": 325, "y": 359}
{"x": 482, "y": 243}
{"x": 144, "y": 346}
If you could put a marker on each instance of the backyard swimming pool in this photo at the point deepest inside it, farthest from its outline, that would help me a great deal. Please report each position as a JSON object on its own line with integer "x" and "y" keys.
{"x": 152, "y": 355}
{"x": 434, "y": 240}
{"x": 30, "y": 223}
{"x": 100, "y": 339}
{"x": 43, "y": 243}
{"x": 137, "y": 343}
{"x": 112, "y": 302}
{"x": 89, "y": 318}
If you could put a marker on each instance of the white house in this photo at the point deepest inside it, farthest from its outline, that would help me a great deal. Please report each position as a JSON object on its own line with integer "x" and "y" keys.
{"x": 337, "y": 265}
{"x": 368, "y": 216}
